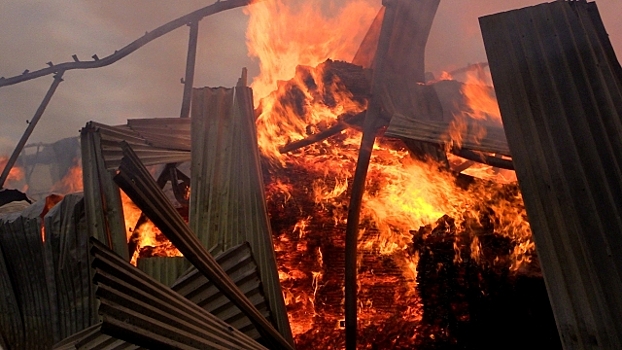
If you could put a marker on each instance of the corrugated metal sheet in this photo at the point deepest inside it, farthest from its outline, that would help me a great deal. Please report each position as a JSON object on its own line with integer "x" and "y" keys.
{"x": 560, "y": 95}
{"x": 11, "y": 326}
{"x": 140, "y": 310}
{"x": 67, "y": 242}
{"x": 140, "y": 186}
{"x": 165, "y": 270}
{"x": 24, "y": 256}
{"x": 101, "y": 195}
{"x": 91, "y": 338}
{"x": 155, "y": 140}
{"x": 239, "y": 264}
{"x": 46, "y": 287}
{"x": 228, "y": 203}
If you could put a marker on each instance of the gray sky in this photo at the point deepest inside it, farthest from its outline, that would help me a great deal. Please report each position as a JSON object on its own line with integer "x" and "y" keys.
{"x": 147, "y": 83}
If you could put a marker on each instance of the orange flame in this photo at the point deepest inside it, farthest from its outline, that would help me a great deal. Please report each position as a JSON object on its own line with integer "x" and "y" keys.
{"x": 144, "y": 233}
{"x": 283, "y": 36}
{"x": 72, "y": 181}
{"x": 480, "y": 98}
{"x": 16, "y": 173}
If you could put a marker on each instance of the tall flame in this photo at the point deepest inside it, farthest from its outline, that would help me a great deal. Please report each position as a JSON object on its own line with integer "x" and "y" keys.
{"x": 285, "y": 35}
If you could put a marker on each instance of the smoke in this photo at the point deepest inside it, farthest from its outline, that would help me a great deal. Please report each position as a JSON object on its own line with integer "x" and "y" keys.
{"x": 147, "y": 83}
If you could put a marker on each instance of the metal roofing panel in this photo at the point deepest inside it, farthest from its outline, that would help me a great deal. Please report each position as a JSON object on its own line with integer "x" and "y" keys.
{"x": 165, "y": 270}
{"x": 143, "y": 311}
{"x": 227, "y": 205}
{"x": 239, "y": 264}
{"x": 473, "y": 135}
{"x": 25, "y": 258}
{"x": 67, "y": 241}
{"x": 140, "y": 186}
{"x": 560, "y": 95}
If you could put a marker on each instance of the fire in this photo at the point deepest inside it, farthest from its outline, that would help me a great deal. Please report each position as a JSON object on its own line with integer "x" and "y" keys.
{"x": 72, "y": 181}
{"x": 143, "y": 236}
{"x": 50, "y": 202}
{"x": 480, "y": 97}
{"x": 285, "y": 35}
{"x": 16, "y": 173}
{"x": 308, "y": 190}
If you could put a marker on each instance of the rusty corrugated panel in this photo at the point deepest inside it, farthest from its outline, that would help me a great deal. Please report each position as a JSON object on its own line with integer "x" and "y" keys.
{"x": 560, "y": 98}
{"x": 67, "y": 245}
{"x": 142, "y": 311}
{"x": 165, "y": 270}
{"x": 25, "y": 259}
{"x": 239, "y": 264}
{"x": 227, "y": 204}
{"x": 141, "y": 188}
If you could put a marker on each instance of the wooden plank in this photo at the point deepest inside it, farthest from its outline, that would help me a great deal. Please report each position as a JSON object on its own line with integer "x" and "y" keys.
{"x": 556, "y": 103}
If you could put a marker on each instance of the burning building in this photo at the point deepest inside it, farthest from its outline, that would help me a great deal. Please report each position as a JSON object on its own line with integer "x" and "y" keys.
{"x": 360, "y": 201}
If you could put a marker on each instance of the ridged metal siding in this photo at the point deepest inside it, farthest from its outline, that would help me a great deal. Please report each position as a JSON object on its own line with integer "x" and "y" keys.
{"x": 239, "y": 265}
{"x": 165, "y": 270}
{"x": 559, "y": 88}
{"x": 50, "y": 295}
{"x": 140, "y": 310}
{"x": 227, "y": 203}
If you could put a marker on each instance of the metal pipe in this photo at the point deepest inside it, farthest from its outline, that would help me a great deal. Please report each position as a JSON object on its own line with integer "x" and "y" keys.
{"x": 190, "y": 63}
{"x": 31, "y": 126}
{"x": 197, "y": 15}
